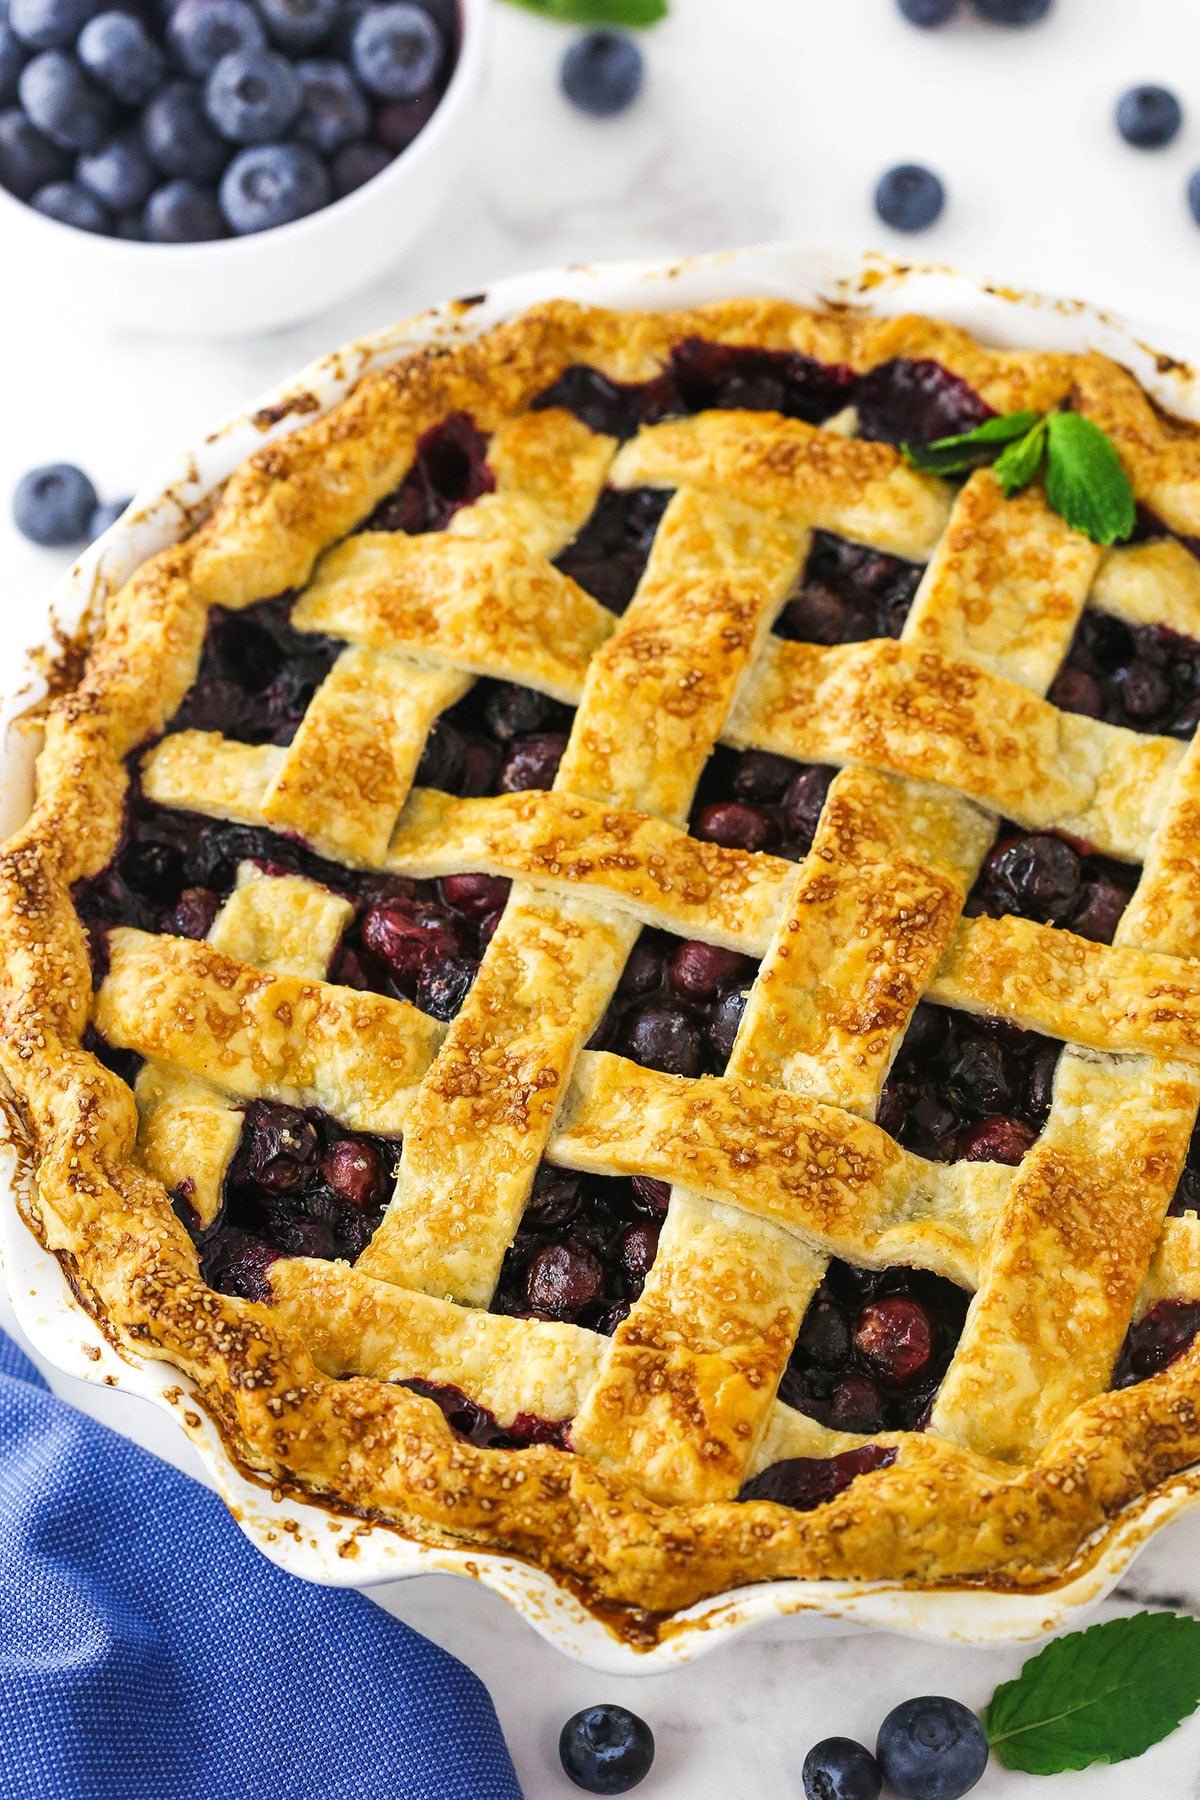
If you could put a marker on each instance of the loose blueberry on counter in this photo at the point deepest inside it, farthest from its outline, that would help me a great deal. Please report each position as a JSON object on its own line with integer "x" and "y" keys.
{"x": 52, "y": 505}
{"x": 106, "y": 514}
{"x": 909, "y": 197}
{"x": 932, "y": 1749}
{"x": 873, "y": 1347}
{"x": 201, "y": 32}
{"x": 273, "y": 184}
{"x": 1193, "y": 196}
{"x": 928, "y": 14}
{"x": 1148, "y": 117}
{"x": 1156, "y": 1340}
{"x": 602, "y": 73}
{"x": 121, "y": 57}
{"x": 63, "y": 103}
{"x": 839, "y": 1769}
{"x": 1013, "y": 12}
{"x": 397, "y": 51}
{"x": 606, "y": 1749}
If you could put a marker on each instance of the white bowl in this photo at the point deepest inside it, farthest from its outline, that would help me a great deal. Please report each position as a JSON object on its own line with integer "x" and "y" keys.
{"x": 270, "y": 279}
{"x": 306, "y": 1537}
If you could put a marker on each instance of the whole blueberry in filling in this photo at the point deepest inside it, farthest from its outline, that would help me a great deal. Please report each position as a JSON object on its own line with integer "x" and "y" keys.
{"x": 480, "y": 1427}
{"x": 449, "y": 471}
{"x": 849, "y": 593}
{"x": 1055, "y": 881}
{"x": 1142, "y": 676}
{"x": 609, "y": 554}
{"x": 257, "y": 675}
{"x": 298, "y": 1185}
{"x": 804, "y": 1482}
{"x": 677, "y": 1006}
{"x": 1156, "y": 1341}
{"x": 753, "y": 800}
{"x": 584, "y": 1248}
{"x": 873, "y": 1347}
{"x": 967, "y": 1088}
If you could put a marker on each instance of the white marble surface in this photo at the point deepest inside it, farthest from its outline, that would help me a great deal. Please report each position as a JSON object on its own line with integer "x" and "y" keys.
{"x": 764, "y": 119}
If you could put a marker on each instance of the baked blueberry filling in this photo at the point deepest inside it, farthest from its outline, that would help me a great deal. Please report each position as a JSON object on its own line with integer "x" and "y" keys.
{"x": 752, "y": 800}
{"x": 298, "y": 1185}
{"x": 803, "y": 1482}
{"x": 467, "y": 1419}
{"x": 849, "y": 593}
{"x": 1156, "y": 1341}
{"x": 449, "y": 471}
{"x": 610, "y": 552}
{"x": 970, "y": 1089}
{"x": 873, "y": 1347}
{"x": 1054, "y": 880}
{"x": 1142, "y": 676}
{"x": 257, "y": 675}
{"x": 583, "y": 1249}
{"x": 678, "y": 1005}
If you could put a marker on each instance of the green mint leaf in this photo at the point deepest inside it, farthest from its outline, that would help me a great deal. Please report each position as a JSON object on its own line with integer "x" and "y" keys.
{"x": 969, "y": 449}
{"x": 1100, "y": 1695}
{"x": 1085, "y": 481}
{"x": 635, "y": 13}
{"x": 1016, "y": 466}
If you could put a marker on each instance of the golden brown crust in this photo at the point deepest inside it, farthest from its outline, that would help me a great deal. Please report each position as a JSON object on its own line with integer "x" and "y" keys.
{"x": 776, "y": 1165}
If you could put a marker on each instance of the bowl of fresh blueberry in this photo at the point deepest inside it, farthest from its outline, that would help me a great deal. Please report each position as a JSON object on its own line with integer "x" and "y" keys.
{"x": 215, "y": 166}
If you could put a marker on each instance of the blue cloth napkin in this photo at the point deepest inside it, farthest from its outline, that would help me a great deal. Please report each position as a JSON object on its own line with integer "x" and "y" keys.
{"x": 148, "y": 1652}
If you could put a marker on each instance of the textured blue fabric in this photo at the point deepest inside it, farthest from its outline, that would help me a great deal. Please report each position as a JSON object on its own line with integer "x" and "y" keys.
{"x": 148, "y": 1652}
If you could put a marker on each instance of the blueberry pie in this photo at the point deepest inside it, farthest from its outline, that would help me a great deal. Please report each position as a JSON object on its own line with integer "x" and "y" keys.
{"x": 614, "y": 971}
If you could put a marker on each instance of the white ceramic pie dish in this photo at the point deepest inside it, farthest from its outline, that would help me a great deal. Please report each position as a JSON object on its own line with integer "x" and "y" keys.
{"x": 310, "y": 1539}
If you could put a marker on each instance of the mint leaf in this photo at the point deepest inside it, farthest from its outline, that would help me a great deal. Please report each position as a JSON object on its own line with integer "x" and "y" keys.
{"x": 1100, "y": 1695}
{"x": 1085, "y": 481}
{"x": 969, "y": 449}
{"x": 1016, "y": 466}
{"x": 636, "y": 13}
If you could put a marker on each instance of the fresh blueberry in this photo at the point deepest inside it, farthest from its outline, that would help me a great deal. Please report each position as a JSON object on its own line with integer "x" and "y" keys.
{"x": 201, "y": 32}
{"x": 73, "y": 205}
{"x": 333, "y": 108}
{"x": 839, "y": 1769}
{"x": 52, "y": 505}
{"x": 1013, "y": 12}
{"x": 62, "y": 102}
{"x": 1148, "y": 117}
{"x": 909, "y": 198}
{"x": 271, "y": 185}
{"x": 178, "y": 137}
{"x": 121, "y": 57}
{"x": 184, "y": 212}
{"x": 252, "y": 96}
{"x": 1193, "y": 196}
{"x": 27, "y": 159}
{"x": 357, "y": 164}
{"x": 104, "y": 515}
{"x": 298, "y": 24}
{"x": 119, "y": 174}
{"x": 927, "y": 14}
{"x": 397, "y": 51}
{"x": 606, "y": 1749}
{"x": 397, "y": 124}
{"x": 132, "y": 227}
{"x": 49, "y": 24}
{"x": 602, "y": 73}
{"x": 931, "y": 1749}
{"x": 13, "y": 57}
